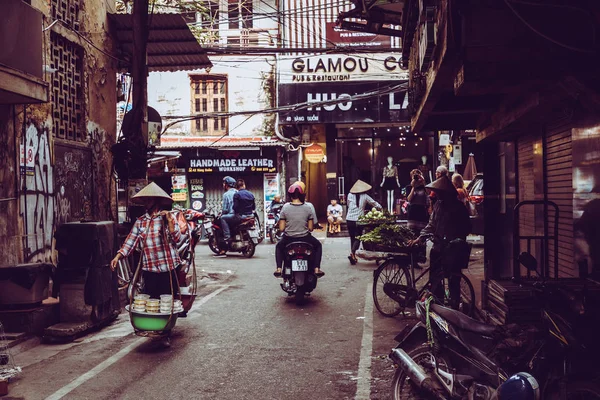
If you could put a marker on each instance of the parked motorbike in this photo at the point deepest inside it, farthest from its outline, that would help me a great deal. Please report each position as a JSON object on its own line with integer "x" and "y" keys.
{"x": 260, "y": 231}
{"x": 448, "y": 355}
{"x": 272, "y": 225}
{"x": 244, "y": 236}
{"x": 298, "y": 274}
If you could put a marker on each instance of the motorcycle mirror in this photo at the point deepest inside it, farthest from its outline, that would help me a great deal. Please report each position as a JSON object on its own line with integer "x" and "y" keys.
{"x": 528, "y": 261}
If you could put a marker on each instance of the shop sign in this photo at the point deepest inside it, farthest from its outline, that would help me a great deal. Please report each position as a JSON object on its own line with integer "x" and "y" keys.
{"x": 457, "y": 154}
{"x": 342, "y": 68}
{"x": 233, "y": 162}
{"x": 27, "y": 161}
{"x": 197, "y": 194}
{"x": 339, "y": 37}
{"x": 314, "y": 153}
{"x": 179, "y": 186}
{"x": 334, "y": 103}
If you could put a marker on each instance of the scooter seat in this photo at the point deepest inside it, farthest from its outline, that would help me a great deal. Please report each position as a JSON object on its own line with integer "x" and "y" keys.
{"x": 463, "y": 322}
{"x": 246, "y": 223}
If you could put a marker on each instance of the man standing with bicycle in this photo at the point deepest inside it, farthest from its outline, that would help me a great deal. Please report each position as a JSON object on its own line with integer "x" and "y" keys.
{"x": 448, "y": 221}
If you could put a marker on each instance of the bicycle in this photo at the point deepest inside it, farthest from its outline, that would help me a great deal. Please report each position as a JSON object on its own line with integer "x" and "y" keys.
{"x": 395, "y": 285}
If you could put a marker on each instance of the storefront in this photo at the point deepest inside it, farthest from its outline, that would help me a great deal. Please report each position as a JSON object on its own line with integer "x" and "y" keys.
{"x": 357, "y": 134}
{"x": 206, "y": 168}
{"x": 195, "y": 179}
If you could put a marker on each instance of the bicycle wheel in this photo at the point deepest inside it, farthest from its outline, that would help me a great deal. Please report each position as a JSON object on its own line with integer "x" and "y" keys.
{"x": 451, "y": 284}
{"x": 391, "y": 283}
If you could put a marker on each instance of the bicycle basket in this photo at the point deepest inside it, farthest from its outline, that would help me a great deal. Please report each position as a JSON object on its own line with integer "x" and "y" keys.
{"x": 455, "y": 255}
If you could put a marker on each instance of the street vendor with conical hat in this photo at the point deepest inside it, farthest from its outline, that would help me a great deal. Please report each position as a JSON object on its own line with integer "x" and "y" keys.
{"x": 358, "y": 199}
{"x": 157, "y": 233}
{"x": 449, "y": 220}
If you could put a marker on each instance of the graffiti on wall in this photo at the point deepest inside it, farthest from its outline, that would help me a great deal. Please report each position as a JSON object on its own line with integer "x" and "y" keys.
{"x": 101, "y": 169}
{"x": 73, "y": 180}
{"x": 38, "y": 204}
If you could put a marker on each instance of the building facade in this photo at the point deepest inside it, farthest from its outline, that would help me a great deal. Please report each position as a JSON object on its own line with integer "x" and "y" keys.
{"x": 346, "y": 92}
{"x": 527, "y": 84}
{"x": 57, "y": 122}
{"x": 218, "y": 118}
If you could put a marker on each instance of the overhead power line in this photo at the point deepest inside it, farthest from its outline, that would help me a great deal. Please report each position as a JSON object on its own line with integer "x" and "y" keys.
{"x": 288, "y": 108}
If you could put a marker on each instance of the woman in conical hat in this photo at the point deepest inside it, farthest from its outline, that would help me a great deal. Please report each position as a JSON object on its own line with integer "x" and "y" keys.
{"x": 157, "y": 233}
{"x": 357, "y": 202}
{"x": 448, "y": 221}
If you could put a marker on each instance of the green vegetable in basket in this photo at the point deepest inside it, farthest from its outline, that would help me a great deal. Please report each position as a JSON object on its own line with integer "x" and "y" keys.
{"x": 389, "y": 235}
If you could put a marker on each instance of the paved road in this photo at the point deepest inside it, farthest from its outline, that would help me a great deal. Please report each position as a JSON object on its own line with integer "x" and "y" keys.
{"x": 245, "y": 339}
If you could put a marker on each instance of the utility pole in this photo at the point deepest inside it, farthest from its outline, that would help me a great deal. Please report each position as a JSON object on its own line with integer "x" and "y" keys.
{"x": 139, "y": 138}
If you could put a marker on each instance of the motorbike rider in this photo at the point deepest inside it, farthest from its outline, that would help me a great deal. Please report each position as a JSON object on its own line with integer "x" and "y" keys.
{"x": 244, "y": 203}
{"x": 276, "y": 205}
{"x": 296, "y": 221}
{"x": 227, "y": 214}
{"x": 303, "y": 199}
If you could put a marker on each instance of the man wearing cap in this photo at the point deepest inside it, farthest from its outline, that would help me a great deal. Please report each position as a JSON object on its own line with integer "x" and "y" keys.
{"x": 227, "y": 213}
{"x": 157, "y": 233}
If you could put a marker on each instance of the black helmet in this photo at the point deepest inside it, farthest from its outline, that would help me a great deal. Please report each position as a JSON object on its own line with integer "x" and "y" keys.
{"x": 521, "y": 386}
{"x": 229, "y": 181}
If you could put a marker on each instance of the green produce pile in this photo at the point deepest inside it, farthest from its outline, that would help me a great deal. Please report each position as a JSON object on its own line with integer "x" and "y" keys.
{"x": 389, "y": 236}
{"x": 375, "y": 217}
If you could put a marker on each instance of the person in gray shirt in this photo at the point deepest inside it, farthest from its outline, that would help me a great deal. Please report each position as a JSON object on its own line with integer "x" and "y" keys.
{"x": 296, "y": 222}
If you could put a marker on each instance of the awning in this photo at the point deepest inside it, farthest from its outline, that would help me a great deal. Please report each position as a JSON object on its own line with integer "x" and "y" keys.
{"x": 216, "y": 142}
{"x": 373, "y": 15}
{"x": 171, "y": 44}
{"x": 162, "y": 156}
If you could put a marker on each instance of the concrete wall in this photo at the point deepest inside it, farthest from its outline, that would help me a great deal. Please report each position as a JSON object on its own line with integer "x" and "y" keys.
{"x": 169, "y": 93}
{"x": 46, "y": 198}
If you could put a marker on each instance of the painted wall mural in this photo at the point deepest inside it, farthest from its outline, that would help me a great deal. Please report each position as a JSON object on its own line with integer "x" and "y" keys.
{"x": 38, "y": 200}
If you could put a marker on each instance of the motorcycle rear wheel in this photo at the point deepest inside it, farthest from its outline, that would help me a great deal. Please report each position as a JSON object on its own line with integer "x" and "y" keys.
{"x": 402, "y": 388}
{"x": 212, "y": 244}
{"x": 300, "y": 296}
{"x": 249, "y": 250}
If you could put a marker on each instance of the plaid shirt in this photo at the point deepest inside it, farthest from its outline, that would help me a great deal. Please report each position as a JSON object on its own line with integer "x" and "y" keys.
{"x": 149, "y": 233}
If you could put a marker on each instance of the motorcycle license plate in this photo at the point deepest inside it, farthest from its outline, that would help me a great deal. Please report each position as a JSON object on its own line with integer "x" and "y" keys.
{"x": 271, "y": 221}
{"x": 299, "y": 265}
{"x": 207, "y": 225}
{"x": 253, "y": 233}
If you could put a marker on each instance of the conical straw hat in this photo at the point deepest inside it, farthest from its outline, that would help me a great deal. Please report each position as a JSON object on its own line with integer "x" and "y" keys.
{"x": 360, "y": 187}
{"x": 152, "y": 191}
{"x": 442, "y": 184}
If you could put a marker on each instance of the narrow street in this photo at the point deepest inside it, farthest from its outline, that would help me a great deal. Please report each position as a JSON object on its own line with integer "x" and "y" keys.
{"x": 244, "y": 339}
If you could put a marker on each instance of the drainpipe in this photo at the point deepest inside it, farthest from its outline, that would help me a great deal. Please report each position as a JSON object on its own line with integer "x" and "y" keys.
{"x": 299, "y": 163}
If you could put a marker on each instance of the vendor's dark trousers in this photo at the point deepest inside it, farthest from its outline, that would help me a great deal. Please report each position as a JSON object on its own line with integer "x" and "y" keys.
{"x": 285, "y": 240}
{"x": 453, "y": 282}
{"x": 157, "y": 283}
{"x": 354, "y": 230}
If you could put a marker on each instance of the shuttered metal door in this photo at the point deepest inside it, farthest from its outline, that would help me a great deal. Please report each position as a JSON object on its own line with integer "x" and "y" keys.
{"x": 559, "y": 181}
